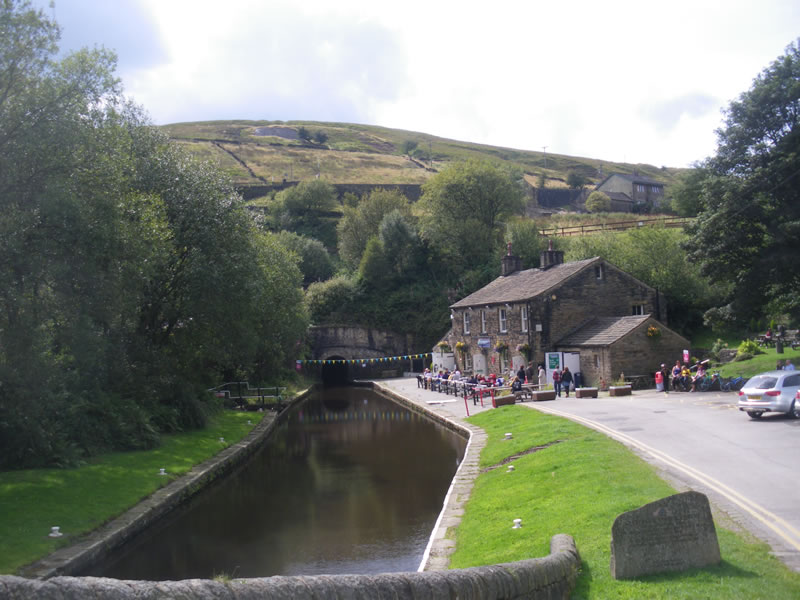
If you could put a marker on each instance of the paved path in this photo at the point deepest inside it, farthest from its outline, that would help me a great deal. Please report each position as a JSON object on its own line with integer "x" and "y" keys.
{"x": 698, "y": 441}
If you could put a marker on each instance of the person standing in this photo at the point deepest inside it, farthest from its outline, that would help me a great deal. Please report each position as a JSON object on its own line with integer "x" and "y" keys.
{"x": 542, "y": 375}
{"x": 566, "y": 380}
{"x": 557, "y": 382}
{"x": 789, "y": 366}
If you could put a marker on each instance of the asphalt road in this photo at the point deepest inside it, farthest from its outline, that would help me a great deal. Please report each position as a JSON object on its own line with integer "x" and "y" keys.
{"x": 701, "y": 441}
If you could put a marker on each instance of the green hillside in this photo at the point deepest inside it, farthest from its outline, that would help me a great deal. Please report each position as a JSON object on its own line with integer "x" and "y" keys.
{"x": 262, "y": 152}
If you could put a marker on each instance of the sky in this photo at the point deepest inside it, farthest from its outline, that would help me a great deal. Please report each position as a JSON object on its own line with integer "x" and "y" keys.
{"x": 623, "y": 81}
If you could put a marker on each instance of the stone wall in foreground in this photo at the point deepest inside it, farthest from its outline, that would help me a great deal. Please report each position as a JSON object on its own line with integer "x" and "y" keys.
{"x": 548, "y": 578}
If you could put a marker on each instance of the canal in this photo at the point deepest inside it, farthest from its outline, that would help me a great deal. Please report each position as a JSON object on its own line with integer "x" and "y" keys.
{"x": 351, "y": 482}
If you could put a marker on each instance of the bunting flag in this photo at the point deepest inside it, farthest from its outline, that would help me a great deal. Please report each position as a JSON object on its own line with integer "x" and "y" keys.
{"x": 362, "y": 361}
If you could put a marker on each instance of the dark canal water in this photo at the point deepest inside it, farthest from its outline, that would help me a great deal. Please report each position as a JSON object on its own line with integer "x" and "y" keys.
{"x": 351, "y": 483}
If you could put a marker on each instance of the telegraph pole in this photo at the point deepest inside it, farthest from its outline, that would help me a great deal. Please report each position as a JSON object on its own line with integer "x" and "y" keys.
{"x": 544, "y": 150}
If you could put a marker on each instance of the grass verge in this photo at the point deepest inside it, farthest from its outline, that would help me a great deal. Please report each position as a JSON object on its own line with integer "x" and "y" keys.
{"x": 759, "y": 363}
{"x": 578, "y": 484}
{"x": 79, "y": 500}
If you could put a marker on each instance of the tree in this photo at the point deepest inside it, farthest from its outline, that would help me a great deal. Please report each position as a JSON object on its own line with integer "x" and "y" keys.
{"x": 314, "y": 260}
{"x": 303, "y": 133}
{"x": 687, "y": 192}
{"x": 748, "y": 227}
{"x": 131, "y": 276}
{"x": 320, "y": 136}
{"x": 305, "y": 209}
{"x": 654, "y": 255}
{"x": 409, "y": 146}
{"x": 464, "y": 207}
{"x": 575, "y": 180}
{"x": 526, "y": 242}
{"x": 598, "y": 202}
{"x": 360, "y": 223}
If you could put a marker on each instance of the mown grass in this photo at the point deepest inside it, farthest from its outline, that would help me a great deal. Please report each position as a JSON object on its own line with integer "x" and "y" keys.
{"x": 759, "y": 363}
{"x": 79, "y": 500}
{"x": 578, "y": 485}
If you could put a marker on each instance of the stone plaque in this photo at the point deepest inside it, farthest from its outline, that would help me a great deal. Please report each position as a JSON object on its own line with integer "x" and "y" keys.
{"x": 671, "y": 534}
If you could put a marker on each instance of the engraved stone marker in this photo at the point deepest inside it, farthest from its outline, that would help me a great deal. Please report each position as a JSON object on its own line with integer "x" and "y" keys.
{"x": 671, "y": 534}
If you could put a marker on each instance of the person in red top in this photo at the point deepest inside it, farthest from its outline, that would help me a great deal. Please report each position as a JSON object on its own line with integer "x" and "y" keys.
{"x": 557, "y": 382}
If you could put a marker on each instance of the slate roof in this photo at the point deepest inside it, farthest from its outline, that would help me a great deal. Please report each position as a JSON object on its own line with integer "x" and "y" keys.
{"x": 523, "y": 285}
{"x": 632, "y": 179}
{"x": 602, "y": 331}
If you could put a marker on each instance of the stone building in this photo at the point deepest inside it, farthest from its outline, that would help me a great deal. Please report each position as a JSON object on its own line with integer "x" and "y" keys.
{"x": 587, "y": 306}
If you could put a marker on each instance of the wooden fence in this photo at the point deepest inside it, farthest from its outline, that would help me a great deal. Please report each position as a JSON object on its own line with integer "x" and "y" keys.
{"x": 617, "y": 226}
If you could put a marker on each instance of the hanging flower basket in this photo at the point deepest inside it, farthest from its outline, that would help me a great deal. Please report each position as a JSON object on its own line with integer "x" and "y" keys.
{"x": 524, "y": 349}
{"x": 653, "y": 332}
{"x": 500, "y": 347}
{"x": 443, "y": 347}
{"x": 462, "y": 347}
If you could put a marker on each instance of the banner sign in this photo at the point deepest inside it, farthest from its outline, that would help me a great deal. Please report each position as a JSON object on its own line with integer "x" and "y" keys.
{"x": 362, "y": 361}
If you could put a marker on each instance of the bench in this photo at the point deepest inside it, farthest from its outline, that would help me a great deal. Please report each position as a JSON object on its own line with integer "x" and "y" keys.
{"x": 586, "y": 392}
{"x": 619, "y": 390}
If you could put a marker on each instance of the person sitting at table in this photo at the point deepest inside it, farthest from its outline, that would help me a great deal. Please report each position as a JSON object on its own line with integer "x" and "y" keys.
{"x": 686, "y": 376}
{"x": 676, "y": 375}
{"x": 701, "y": 373}
{"x": 516, "y": 385}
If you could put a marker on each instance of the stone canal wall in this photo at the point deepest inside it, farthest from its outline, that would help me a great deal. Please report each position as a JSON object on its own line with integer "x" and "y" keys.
{"x": 541, "y": 578}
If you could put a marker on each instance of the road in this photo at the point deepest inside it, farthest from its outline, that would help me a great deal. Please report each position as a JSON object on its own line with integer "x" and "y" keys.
{"x": 701, "y": 441}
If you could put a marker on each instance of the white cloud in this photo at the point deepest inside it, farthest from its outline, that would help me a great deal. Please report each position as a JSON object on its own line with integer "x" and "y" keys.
{"x": 619, "y": 80}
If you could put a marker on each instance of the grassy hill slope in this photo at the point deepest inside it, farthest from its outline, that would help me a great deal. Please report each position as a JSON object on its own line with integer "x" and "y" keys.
{"x": 262, "y": 152}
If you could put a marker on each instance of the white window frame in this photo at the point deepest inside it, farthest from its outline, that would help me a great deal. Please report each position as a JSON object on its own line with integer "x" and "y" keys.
{"x": 483, "y": 321}
{"x": 637, "y": 310}
{"x": 468, "y": 361}
{"x": 502, "y": 318}
{"x": 598, "y": 271}
{"x": 466, "y": 322}
{"x": 523, "y": 313}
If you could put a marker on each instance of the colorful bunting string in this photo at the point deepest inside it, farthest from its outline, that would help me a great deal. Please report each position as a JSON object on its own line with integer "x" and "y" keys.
{"x": 361, "y": 361}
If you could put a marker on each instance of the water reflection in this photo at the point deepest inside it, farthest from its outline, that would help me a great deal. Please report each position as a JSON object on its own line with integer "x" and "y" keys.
{"x": 352, "y": 483}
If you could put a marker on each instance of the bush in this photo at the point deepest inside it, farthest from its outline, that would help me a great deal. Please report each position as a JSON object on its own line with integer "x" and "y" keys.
{"x": 748, "y": 347}
{"x": 740, "y": 356}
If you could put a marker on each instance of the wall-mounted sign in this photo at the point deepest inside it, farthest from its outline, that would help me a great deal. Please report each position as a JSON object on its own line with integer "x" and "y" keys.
{"x": 484, "y": 343}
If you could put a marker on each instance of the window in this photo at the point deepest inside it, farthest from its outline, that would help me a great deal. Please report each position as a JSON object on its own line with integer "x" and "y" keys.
{"x": 483, "y": 321}
{"x": 598, "y": 271}
{"x": 503, "y": 323}
{"x": 637, "y": 309}
{"x": 791, "y": 381}
{"x": 596, "y": 361}
{"x": 466, "y": 322}
{"x": 467, "y": 362}
{"x": 523, "y": 313}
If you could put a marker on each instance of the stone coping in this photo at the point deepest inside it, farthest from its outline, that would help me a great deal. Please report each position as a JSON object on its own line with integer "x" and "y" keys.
{"x": 549, "y": 578}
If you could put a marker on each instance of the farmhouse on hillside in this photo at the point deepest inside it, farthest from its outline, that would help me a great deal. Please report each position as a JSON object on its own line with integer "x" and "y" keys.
{"x": 630, "y": 192}
{"x": 610, "y": 321}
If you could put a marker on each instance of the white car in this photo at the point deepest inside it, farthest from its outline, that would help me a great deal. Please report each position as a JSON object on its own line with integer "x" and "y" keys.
{"x": 773, "y": 391}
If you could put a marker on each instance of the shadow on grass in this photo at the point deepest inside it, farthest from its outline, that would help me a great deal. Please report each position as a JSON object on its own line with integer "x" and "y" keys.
{"x": 587, "y": 580}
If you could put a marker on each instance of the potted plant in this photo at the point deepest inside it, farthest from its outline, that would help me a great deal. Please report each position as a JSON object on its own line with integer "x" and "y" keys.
{"x": 443, "y": 347}
{"x": 653, "y": 332}
{"x": 525, "y": 350}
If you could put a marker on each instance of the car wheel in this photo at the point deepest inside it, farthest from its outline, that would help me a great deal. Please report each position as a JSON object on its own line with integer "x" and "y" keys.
{"x": 754, "y": 414}
{"x": 794, "y": 412}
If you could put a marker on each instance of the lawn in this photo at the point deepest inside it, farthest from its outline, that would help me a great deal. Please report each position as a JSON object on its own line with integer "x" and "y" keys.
{"x": 79, "y": 500}
{"x": 759, "y": 363}
{"x": 578, "y": 484}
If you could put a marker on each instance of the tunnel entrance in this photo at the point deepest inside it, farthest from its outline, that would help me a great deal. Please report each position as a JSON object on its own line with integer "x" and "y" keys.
{"x": 336, "y": 373}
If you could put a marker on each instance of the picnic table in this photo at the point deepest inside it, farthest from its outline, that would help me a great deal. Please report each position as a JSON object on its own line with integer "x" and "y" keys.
{"x": 638, "y": 382}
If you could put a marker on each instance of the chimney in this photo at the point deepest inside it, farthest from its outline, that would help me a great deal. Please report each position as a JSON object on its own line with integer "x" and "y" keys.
{"x": 549, "y": 258}
{"x": 510, "y": 263}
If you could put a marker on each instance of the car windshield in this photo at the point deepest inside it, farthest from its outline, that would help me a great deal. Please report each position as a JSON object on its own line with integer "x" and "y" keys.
{"x": 762, "y": 382}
